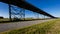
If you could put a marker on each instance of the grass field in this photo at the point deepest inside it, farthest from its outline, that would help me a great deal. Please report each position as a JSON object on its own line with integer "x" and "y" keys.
{"x": 7, "y": 20}
{"x": 50, "y": 27}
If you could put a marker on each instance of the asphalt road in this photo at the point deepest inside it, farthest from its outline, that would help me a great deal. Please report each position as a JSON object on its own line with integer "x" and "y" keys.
{"x": 15, "y": 25}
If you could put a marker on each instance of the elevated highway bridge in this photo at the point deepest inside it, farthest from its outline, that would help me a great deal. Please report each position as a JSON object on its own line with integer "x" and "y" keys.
{"x": 24, "y": 4}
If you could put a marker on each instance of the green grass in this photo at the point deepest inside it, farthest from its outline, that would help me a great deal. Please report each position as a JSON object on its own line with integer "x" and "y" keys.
{"x": 5, "y": 19}
{"x": 43, "y": 28}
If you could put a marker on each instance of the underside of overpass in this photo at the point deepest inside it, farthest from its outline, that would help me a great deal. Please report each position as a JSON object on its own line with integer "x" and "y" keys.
{"x": 25, "y": 5}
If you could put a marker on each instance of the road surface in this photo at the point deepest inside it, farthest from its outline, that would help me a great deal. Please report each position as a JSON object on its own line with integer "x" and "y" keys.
{"x": 15, "y": 25}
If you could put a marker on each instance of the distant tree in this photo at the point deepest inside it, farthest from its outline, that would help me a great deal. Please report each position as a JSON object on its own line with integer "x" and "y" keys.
{"x": 1, "y": 17}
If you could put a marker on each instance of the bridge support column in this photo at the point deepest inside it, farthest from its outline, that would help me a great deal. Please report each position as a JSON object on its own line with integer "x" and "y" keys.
{"x": 10, "y": 12}
{"x": 16, "y": 13}
{"x": 36, "y": 15}
{"x": 44, "y": 16}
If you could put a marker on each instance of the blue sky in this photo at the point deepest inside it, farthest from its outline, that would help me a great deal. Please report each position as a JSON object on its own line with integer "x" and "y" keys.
{"x": 50, "y": 6}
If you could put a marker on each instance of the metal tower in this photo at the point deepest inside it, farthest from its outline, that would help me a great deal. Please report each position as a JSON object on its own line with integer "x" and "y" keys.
{"x": 16, "y": 13}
